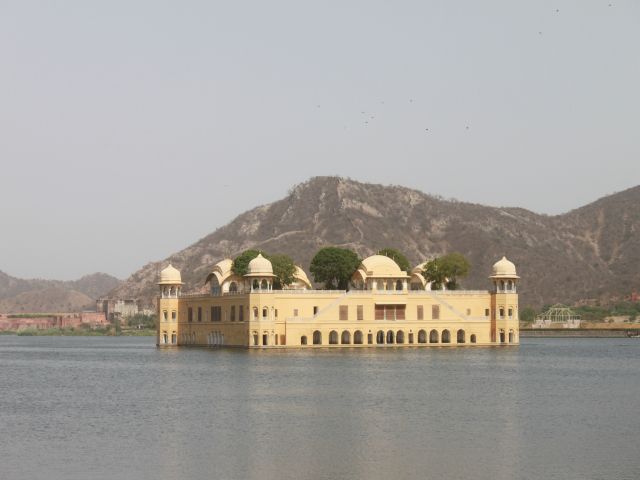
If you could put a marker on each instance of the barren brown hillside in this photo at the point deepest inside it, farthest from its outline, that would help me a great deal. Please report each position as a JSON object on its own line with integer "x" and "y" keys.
{"x": 588, "y": 252}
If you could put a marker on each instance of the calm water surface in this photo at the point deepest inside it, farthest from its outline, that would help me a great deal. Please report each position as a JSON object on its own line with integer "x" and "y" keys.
{"x": 118, "y": 408}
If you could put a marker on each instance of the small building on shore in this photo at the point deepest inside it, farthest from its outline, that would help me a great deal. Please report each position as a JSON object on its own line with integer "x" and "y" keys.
{"x": 559, "y": 316}
{"x": 385, "y": 307}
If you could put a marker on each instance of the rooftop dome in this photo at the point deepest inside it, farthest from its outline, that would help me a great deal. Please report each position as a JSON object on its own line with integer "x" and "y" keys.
{"x": 170, "y": 276}
{"x": 221, "y": 270}
{"x": 381, "y": 266}
{"x": 503, "y": 268}
{"x": 259, "y": 267}
{"x": 301, "y": 276}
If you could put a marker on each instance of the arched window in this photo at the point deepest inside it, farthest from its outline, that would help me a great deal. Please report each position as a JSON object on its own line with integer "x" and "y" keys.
{"x": 380, "y": 337}
{"x": 472, "y": 338}
{"x": 265, "y": 313}
{"x": 501, "y": 336}
{"x": 357, "y": 337}
{"x": 333, "y": 337}
{"x": 303, "y": 340}
{"x": 446, "y": 336}
{"x": 255, "y": 313}
{"x": 433, "y": 336}
{"x": 509, "y": 285}
{"x": 317, "y": 338}
{"x": 400, "y": 337}
{"x": 256, "y": 284}
{"x": 346, "y": 338}
{"x": 422, "y": 336}
{"x": 390, "y": 336}
{"x": 502, "y": 285}
{"x": 264, "y": 285}
{"x": 215, "y": 286}
{"x": 512, "y": 336}
{"x": 460, "y": 336}
{"x": 233, "y": 287}
{"x": 399, "y": 285}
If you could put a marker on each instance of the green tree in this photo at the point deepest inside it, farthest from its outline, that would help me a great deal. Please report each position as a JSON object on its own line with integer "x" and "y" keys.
{"x": 334, "y": 266}
{"x": 283, "y": 269}
{"x": 446, "y": 270}
{"x": 397, "y": 256}
{"x": 241, "y": 262}
{"x": 528, "y": 314}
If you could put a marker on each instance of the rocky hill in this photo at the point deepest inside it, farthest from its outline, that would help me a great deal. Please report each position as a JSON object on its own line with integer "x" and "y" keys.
{"x": 50, "y": 296}
{"x": 593, "y": 251}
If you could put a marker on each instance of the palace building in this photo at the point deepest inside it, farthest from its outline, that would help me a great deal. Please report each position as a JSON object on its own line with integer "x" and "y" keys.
{"x": 385, "y": 307}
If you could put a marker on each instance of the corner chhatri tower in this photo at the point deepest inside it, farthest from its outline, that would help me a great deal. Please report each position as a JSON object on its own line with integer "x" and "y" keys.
{"x": 385, "y": 307}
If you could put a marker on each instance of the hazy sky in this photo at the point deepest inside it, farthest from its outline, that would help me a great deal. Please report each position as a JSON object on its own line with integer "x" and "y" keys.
{"x": 130, "y": 129}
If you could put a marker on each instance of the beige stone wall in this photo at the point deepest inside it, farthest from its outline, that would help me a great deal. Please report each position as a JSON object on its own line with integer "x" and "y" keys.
{"x": 283, "y": 318}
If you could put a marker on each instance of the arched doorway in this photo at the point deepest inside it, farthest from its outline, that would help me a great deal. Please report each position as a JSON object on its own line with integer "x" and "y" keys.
{"x": 446, "y": 336}
{"x": 410, "y": 337}
{"x": 433, "y": 336}
{"x": 422, "y": 336}
{"x": 346, "y": 338}
{"x": 357, "y": 337}
{"x": 380, "y": 337}
{"x": 472, "y": 338}
{"x": 400, "y": 336}
{"x": 333, "y": 337}
{"x": 303, "y": 340}
{"x": 511, "y": 336}
{"x": 460, "y": 338}
{"x": 317, "y": 338}
{"x": 390, "y": 337}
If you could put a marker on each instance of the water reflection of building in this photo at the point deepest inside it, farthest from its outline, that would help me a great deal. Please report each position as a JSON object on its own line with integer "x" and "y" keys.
{"x": 386, "y": 306}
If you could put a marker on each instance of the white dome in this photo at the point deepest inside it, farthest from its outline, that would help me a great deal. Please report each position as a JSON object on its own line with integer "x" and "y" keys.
{"x": 381, "y": 266}
{"x": 259, "y": 267}
{"x": 503, "y": 268}
{"x": 170, "y": 276}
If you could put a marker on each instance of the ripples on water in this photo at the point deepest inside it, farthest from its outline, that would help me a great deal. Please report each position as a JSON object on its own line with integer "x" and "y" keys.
{"x": 118, "y": 408}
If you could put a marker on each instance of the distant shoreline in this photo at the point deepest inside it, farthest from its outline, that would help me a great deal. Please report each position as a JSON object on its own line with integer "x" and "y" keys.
{"x": 56, "y": 332}
{"x": 577, "y": 332}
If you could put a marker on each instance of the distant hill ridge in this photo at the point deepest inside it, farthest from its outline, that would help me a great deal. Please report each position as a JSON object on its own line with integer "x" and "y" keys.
{"x": 592, "y": 251}
{"x": 51, "y": 296}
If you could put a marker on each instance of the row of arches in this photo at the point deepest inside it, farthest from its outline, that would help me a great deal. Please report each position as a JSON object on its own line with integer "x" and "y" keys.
{"x": 390, "y": 337}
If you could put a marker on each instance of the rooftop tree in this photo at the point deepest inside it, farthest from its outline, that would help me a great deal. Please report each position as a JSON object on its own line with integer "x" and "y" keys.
{"x": 334, "y": 266}
{"x": 446, "y": 270}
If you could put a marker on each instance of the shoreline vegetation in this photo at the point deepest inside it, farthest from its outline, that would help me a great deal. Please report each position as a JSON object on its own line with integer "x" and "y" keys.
{"x": 80, "y": 332}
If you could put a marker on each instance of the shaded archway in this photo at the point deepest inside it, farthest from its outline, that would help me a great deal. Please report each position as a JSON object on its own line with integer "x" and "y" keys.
{"x": 399, "y": 285}
{"x": 446, "y": 336}
{"x": 357, "y": 337}
{"x": 422, "y": 336}
{"x": 380, "y": 337}
{"x": 303, "y": 340}
{"x": 390, "y": 336}
{"x": 400, "y": 336}
{"x": 433, "y": 336}
{"x": 317, "y": 338}
{"x": 345, "y": 337}
{"x": 233, "y": 287}
{"x": 460, "y": 337}
{"x": 511, "y": 336}
{"x": 333, "y": 337}
{"x": 472, "y": 338}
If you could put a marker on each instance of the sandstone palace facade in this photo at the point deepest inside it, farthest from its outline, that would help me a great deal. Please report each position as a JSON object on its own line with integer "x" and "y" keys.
{"x": 384, "y": 307}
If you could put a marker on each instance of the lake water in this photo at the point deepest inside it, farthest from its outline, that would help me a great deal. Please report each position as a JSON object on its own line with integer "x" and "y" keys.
{"x": 118, "y": 408}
